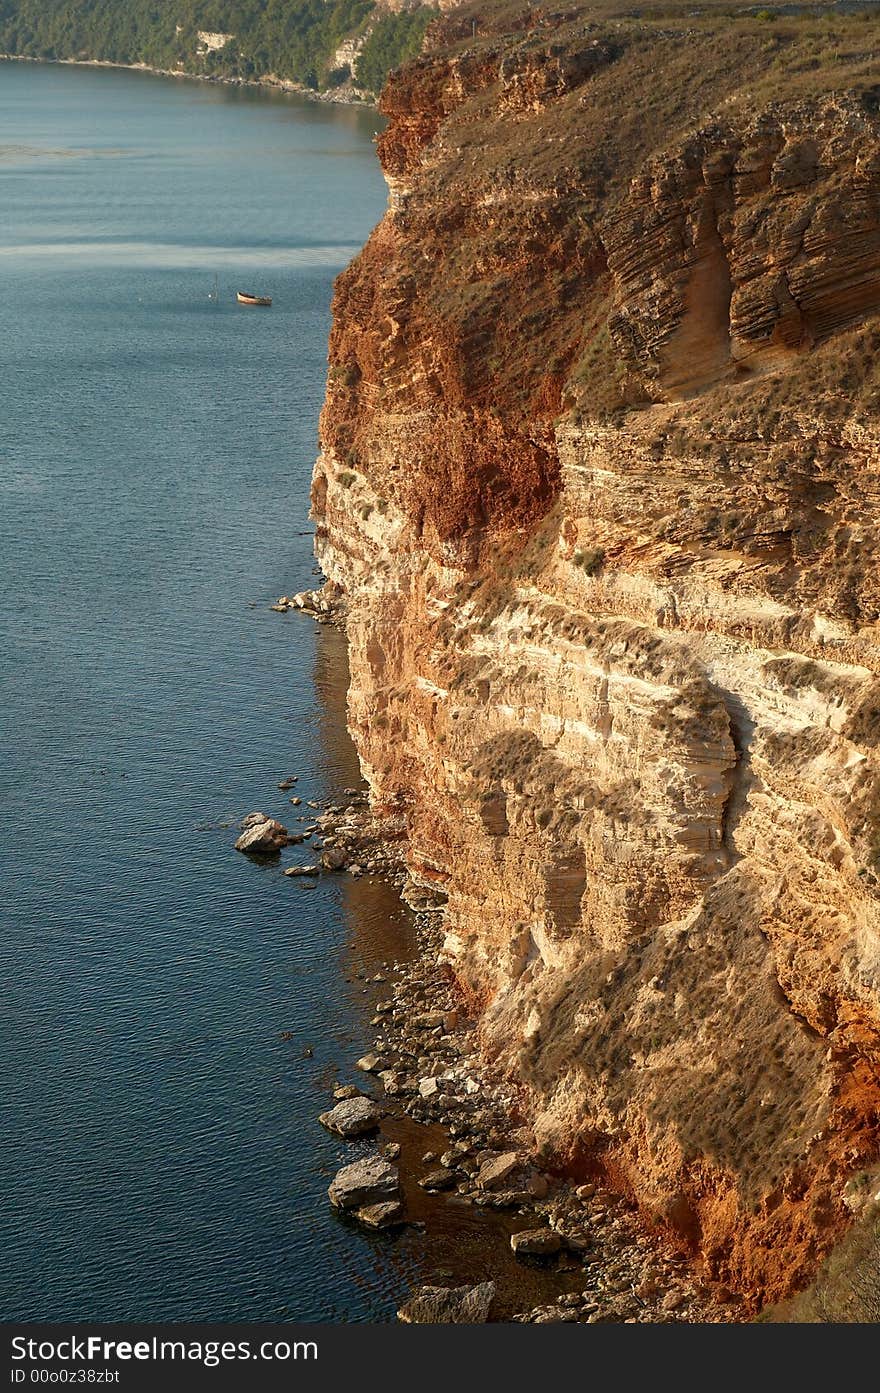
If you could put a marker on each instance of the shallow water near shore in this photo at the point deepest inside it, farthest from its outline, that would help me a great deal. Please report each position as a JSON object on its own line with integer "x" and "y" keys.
{"x": 174, "y": 1014}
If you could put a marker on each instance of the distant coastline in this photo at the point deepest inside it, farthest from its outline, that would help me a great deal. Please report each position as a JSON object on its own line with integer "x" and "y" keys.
{"x": 340, "y": 96}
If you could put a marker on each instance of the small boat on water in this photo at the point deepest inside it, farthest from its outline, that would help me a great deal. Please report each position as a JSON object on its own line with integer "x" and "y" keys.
{"x": 244, "y": 298}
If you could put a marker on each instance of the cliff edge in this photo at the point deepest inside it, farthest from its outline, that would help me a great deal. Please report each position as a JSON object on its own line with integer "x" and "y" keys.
{"x": 600, "y": 480}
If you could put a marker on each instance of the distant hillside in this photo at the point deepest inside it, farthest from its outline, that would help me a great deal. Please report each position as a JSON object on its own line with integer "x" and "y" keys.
{"x": 321, "y": 44}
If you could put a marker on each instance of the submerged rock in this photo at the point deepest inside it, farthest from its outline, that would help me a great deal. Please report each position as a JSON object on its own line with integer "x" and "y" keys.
{"x": 449, "y": 1305}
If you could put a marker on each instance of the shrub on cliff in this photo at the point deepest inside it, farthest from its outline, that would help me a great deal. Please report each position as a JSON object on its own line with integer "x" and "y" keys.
{"x": 392, "y": 41}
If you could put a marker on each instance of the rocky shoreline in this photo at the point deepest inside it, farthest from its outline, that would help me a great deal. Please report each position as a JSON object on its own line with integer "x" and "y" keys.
{"x": 345, "y": 95}
{"x": 425, "y": 1064}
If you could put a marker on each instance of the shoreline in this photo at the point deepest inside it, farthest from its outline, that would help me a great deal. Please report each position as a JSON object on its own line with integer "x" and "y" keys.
{"x": 586, "y": 1251}
{"x": 339, "y": 96}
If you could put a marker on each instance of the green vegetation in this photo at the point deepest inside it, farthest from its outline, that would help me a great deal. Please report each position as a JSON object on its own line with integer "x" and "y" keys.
{"x": 392, "y": 41}
{"x": 290, "y": 39}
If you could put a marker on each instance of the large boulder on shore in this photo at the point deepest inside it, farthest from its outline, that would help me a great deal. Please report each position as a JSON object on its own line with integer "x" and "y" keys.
{"x": 449, "y": 1305}
{"x": 353, "y": 1117}
{"x": 364, "y": 1182}
{"x": 262, "y": 836}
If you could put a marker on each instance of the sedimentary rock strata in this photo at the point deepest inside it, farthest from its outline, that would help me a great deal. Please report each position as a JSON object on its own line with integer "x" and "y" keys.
{"x": 599, "y": 484}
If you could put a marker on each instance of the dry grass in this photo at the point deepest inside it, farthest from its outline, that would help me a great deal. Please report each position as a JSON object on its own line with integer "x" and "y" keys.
{"x": 847, "y": 1289}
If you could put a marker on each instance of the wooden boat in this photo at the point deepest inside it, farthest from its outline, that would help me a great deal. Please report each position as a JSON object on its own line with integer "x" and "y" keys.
{"x": 244, "y": 298}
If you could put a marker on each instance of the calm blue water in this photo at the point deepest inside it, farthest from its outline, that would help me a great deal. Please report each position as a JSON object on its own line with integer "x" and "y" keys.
{"x": 161, "y": 1158}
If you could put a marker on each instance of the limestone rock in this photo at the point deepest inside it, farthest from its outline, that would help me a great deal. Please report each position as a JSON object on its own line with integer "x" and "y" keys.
{"x": 353, "y": 1117}
{"x": 365, "y": 1182}
{"x": 262, "y": 836}
{"x": 609, "y": 551}
{"x": 372, "y": 1063}
{"x": 535, "y": 1243}
{"x": 439, "y": 1179}
{"x": 493, "y": 1173}
{"x": 385, "y": 1215}
{"x": 449, "y": 1305}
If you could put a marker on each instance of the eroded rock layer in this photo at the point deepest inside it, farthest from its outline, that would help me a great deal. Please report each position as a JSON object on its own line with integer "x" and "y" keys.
{"x": 600, "y": 482}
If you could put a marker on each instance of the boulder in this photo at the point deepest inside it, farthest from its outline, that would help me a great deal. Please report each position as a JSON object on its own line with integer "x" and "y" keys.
{"x": 368, "y": 1181}
{"x": 493, "y": 1173}
{"x": 262, "y": 838}
{"x": 372, "y": 1063}
{"x": 346, "y": 1090}
{"x": 440, "y": 1179}
{"x": 299, "y": 870}
{"x": 334, "y": 859}
{"x": 353, "y": 1117}
{"x": 538, "y": 1243}
{"x": 449, "y": 1305}
{"x": 380, "y": 1216}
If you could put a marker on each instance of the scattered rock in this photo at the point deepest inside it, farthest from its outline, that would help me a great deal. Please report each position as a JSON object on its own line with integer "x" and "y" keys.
{"x": 449, "y": 1305}
{"x": 537, "y": 1185}
{"x": 539, "y": 1243}
{"x": 333, "y": 859}
{"x": 493, "y": 1173}
{"x": 365, "y": 1182}
{"x": 387, "y": 1214}
{"x": 673, "y": 1300}
{"x": 299, "y": 870}
{"x": 372, "y": 1063}
{"x": 440, "y": 1179}
{"x": 346, "y": 1090}
{"x": 265, "y": 837}
{"x": 353, "y": 1117}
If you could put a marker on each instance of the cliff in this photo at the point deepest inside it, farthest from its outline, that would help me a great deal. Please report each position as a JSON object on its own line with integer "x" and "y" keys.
{"x": 599, "y": 480}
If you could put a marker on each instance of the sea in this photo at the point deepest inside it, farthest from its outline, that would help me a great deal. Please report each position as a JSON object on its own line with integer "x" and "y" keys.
{"x": 173, "y": 1015}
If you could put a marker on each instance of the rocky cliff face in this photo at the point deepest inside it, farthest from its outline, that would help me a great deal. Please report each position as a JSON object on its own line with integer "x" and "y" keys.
{"x": 600, "y": 480}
